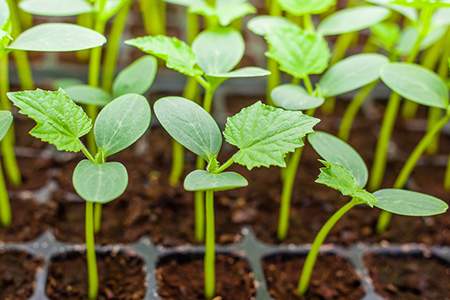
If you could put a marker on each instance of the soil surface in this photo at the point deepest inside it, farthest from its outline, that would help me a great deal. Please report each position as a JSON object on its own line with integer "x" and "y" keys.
{"x": 121, "y": 277}
{"x": 17, "y": 275}
{"x": 333, "y": 278}
{"x": 409, "y": 277}
{"x": 181, "y": 277}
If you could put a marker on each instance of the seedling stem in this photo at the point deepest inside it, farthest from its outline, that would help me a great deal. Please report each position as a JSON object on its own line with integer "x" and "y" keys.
{"x": 90, "y": 252}
{"x": 210, "y": 247}
{"x": 5, "y": 209}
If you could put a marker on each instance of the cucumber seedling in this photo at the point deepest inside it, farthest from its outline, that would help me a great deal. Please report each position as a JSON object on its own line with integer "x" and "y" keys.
{"x": 62, "y": 123}
{"x": 263, "y": 135}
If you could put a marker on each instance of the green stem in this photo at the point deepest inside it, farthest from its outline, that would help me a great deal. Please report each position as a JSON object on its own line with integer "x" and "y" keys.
{"x": 308, "y": 23}
{"x": 84, "y": 20}
{"x": 151, "y": 13}
{"x": 210, "y": 251}
{"x": 434, "y": 115}
{"x": 5, "y": 209}
{"x": 318, "y": 241}
{"x": 199, "y": 207}
{"x": 225, "y": 165}
{"x": 177, "y": 163}
{"x": 208, "y": 100}
{"x": 273, "y": 80}
{"x": 90, "y": 252}
{"x": 100, "y": 159}
{"x": 447, "y": 176}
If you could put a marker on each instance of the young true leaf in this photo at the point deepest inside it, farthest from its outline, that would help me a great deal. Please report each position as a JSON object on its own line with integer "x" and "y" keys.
{"x": 334, "y": 150}
{"x": 57, "y": 37}
{"x": 408, "y": 203}
{"x": 351, "y": 73}
{"x": 100, "y": 183}
{"x": 298, "y": 52}
{"x": 265, "y": 134}
{"x": 261, "y": 25}
{"x": 352, "y": 19}
{"x": 243, "y": 72}
{"x": 56, "y": 8}
{"x": 416, "y": 83}
{"x": 86, "y": 94}
{"x": 136, "y": 78}
{"x": 294, "y": 97}
{"x": 176, "y": 53}
{"x": 121, "y": 123}
{"x": 190, "y": 125}
{"x": 201, "y": 180}
{"x": 6, "y": 119}
{"x": 302, "y": 7}
{"x": 59, "y": 121}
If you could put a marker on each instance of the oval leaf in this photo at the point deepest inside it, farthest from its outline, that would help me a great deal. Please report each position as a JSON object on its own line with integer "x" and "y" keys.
{"x": 55, "y": 8}
{"x": 302, "y": 7}
{"x": 243, "y": 72}
{"x": 335, "y": 150}
{"x": 190, "y": 125}
{"x": 408, "y": 203}
{"x": 416, "y": 83}
{"x": 261, "y": 25}
{"x": 86, "y": 94}
{"x": 351, "y": 73}
{"x": 6, "y": 119}
{"x": 57, "y": 37}
{"x": 408, "y": 12}
{"x": 100, "y": 183}
{"x": 294, "y": 97}
{"x": 201, "y": 180}
{"x": 4, "y": 13}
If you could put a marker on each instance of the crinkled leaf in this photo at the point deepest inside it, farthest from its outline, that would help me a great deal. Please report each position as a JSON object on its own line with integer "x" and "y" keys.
{"x": 294, "y": 97}
{"x": 6, "y": 120}
{"x": 302, "y": 7}
{"x": 176, "y": 53}
{"x": 385, "y": 35}
{"x": 190, "y": 125}
{"x": 408, "y": 12}
{"x": 352, "y": 19}
{"x": 261, "y": 25}
{"x": 243, "y": 72}
{"x": 422, "y": 3}
{"x": 408, "y": 203}
{"x": 136, "y": 78}
{"x": 99, "y": 183}
{"x": 409, "y": 35}
{"x": 201, "y": 180}
{"x": 56, "y": 8}
{"x": 265, "y": 134}
{"x": 416, "y": 83}
{"x": 86, "y": 94}
{"x": 59, "y": 121}
{"x": 298, "y": 52}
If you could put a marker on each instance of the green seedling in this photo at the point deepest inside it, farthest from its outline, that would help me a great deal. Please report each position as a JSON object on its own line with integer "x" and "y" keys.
{"x": 262, "y": 134}
{"x": 6, "y": 120}
{"x": 345, "y": 171}
{"x": 62, "y": 123}
{"x": 154, "y": 16}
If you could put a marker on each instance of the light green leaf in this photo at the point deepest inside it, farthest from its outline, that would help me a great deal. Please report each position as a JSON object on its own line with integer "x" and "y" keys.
{"x": 423, "y": 3}
{"x": 136, "y": 78}
{"x": 99, "y": 183}
{"x": 57, "y": 37}
{"x": 265, "y": 134}
{"x": 440, "y": 18}
{"x": 385, "y": 35}
{"x": 85, "y": 94}
{"x": 190, "y": 125}
{"x": 6, "y": 120}
{"x": 294, "y": 97}
{"x": 230, "y": 10}
{"x": 56, "y": 8}
{"x": 59, "y": 121}
{"x": 409, "y": 35}
{"x": 352, "y": 19}
{"x": 416, "y": 83}
{"x": 408, "y": 12}
{"x": 261, "y": 25}
{"x": 335, "y": 150}
{"x": 298, "y": 52}
{"x": 66, "y": 82}
{"x": 218, "y": 50}
{"x": 4, "y": 13}
{"x": 176, "y": 53}
{"x": 408, "y": 203}
{"x": 243, "y": 72}
{"x": 112, "y": 7}
{"x": 121, "y": 123}
{"x": 351, "y": 73}
{"x": 303, "y": 7}
{"x": 201, "y": 180}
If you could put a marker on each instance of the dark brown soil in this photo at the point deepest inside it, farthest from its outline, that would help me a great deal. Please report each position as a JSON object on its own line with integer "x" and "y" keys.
{"x": 121, "y": 277}
{"x": 409, "y": 277}
{"x": 17, "y": 275}
{"x": 333, "y": 278}
{"x": 181, "y": 277}
{"x": 35, "y": 173}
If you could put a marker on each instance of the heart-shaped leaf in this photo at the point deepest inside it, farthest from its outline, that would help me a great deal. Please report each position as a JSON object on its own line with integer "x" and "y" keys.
{"x": 6, "y": 120}
{"x": 99, "y": 183}
{"x": 261, "y": 25}
{"x": 294, "y": 97}
{"x": 86, "y": 94}
{"x": 121, "y": 123}
{"x": 201, "y": 180}
{"x": 56, "y": 8}
{"x": 57, "y": 37}
{"x": 302, "y": 7}
{"x": 243, "y": 72}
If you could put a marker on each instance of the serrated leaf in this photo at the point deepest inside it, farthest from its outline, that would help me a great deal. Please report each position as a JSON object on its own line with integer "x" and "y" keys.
{"x": 201, "y": 180}
{"x": 261, "y": 25}
{"x": 303, "y": 7}
{"x": 294, "y": 97}
{"x": 176, "y": 53}
{"x": 408, "y": 203}
{"x": 99, "y": 183}
{"x": 265, "y": 134}
{"x": 86, "y": 94}
{"x": 243, "y": 72}
{"x": 59, "y": 121}
{"x": 298, "y": 52}
{"x": 56, "y": 8}
{"x": 6, "y": 120}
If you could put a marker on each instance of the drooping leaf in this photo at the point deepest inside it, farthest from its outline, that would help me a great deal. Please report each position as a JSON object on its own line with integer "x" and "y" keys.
{"x": 56, "y": 8}
{"x": 408, "y": 203}
{"x": 99, "y": 183}
{"x": 265, "y": 134}
{"x": 58, "y": 37}
{"x": 6, "y": 120}
{"x": 351, "y": 73}
{"x": 335, "y": 150}
{"x": 408, "y": 12}
{"x": 201, "y": 180}
{"x": 136, "y": 78}
{"x": 121, "y": 123}
{"x": 86, "y": 94}
{"x": 59, "y": 121}
{"x": 190, "y": 125}
{"x": 261, "y": 25}
{"x": 416, "y": 83}
{"x": 176, "y": 53}
{"x": 298, "y": 52}
{"x": 352, "y": 19}
{"x": 302, "y": 7}
{"x": 294, "y": 97}
{"x": 243, "y": 72}
{"x": 385, "y": 35}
